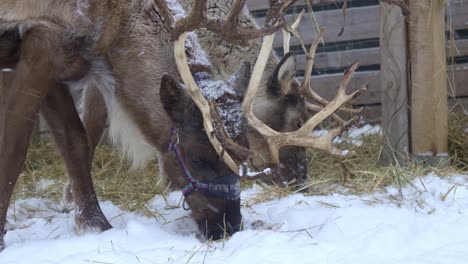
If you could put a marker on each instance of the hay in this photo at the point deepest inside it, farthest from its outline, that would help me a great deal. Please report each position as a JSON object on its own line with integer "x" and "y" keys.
{"x": 458, "y": 137}
{"x": 44, "y": 175}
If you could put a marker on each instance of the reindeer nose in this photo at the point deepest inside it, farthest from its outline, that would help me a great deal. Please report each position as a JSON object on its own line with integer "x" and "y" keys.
{"x": 228, "y": 222}
{"x": 222, "y": 231}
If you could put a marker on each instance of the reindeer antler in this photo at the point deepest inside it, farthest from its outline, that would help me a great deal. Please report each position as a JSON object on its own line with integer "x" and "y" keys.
{"x": 303, "y": 136}
{"x": 228, "y": 30}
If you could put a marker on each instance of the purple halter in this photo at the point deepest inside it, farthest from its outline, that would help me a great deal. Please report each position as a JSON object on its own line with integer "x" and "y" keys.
{"x": 225, "y": 187}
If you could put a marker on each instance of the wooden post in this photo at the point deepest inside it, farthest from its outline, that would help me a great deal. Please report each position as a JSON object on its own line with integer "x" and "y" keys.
{"x": 393, "y": 47}
{"x": 428, "y": 91}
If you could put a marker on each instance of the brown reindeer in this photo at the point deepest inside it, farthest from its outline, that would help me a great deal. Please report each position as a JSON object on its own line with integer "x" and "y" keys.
{"x": 123, "y": 49}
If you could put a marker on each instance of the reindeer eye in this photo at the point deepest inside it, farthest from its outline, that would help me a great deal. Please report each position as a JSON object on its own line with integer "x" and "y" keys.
{"x": 197, "y": 161}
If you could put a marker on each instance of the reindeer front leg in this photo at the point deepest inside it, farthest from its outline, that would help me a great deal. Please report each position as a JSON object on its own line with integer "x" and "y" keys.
{"x": 70, "y": 137}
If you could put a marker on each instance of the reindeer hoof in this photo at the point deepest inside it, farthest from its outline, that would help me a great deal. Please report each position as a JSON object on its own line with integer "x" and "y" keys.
{"x": 91, "y": 220}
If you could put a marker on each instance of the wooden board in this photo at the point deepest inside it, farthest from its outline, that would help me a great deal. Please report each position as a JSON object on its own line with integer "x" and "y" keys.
{"x": 326, "y": 85}
{"x": 341, "y": 59}
{"x": 394, "y": 84}
{"x": 460, "y": 48}
{"x": 458, "y": 82}
{"x": 371, "y": 56}
{"x": 372, "y": 113}
{"x": 458, "y": 11}
{"x": 265, "y": 4}
{"x": 361, "y": 23}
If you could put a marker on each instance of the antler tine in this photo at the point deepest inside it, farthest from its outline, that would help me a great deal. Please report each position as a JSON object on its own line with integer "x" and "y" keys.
{"x": 233, "y": 16}
{"x": 305, "y": 86}
{"x": 200, "y": 100}
{"x": 287, "y": 31}
{"x": 317, "y": 108}
{"x": 168, "y": 19}
{"x": 227, "y": 29}
{"x": 340, "y": 98}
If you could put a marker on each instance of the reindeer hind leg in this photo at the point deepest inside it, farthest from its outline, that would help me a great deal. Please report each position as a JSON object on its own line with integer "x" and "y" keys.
{"x": 25, "y": 88}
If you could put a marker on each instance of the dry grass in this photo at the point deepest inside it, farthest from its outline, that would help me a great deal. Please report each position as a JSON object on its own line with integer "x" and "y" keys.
{"x": 44, "y": 173}
{"x": 458, "y": 137}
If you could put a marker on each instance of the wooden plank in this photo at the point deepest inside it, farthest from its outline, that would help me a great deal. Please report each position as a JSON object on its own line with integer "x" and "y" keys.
{"x": 458, "y": 12}
{"x": 372, "y": 113}
{"x": 341, "y": 59}
{"x": 371, "y": 56}
{"x": 361, "y": 23}
{"x": 326, "y": 86}
{"x": 265, "y": 4}
{"x": 458, "y": 80}
{"x": 460, "y": 48}
{"x": 393, "y": 77}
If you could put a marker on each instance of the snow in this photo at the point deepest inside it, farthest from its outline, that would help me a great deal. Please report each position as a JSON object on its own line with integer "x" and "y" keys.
{"x": 442, "y": 154}
{"x": 244, "y": 171}
{"x": 366, "y": 129}
{"x": 354, "y": 135}
{"x": 428, "y": 225}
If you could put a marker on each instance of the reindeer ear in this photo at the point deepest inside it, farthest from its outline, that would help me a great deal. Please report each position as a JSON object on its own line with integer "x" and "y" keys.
{"x": 242, "y": 79}
{"x": 173, "y": 98}
{"x": 283, "y": 75}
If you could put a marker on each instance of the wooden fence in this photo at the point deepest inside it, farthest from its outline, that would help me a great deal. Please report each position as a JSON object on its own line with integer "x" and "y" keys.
{"x": 359, "y": 40}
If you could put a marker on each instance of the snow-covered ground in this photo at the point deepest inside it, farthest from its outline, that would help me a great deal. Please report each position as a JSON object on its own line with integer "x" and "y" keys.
{"x": 429, "y": 225}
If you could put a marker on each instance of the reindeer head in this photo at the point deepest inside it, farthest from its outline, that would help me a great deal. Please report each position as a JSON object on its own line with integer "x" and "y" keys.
{"x": 286, "y": 108}
{"x": 215, "y": 202}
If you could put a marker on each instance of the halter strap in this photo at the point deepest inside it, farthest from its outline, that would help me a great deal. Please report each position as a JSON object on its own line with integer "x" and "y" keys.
{"x": 225, "y": 187}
